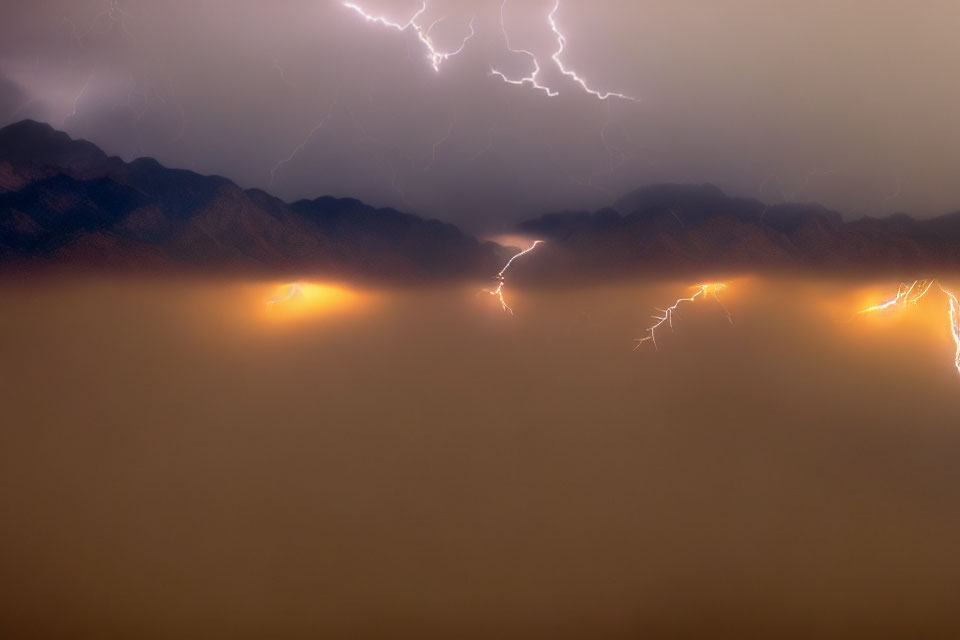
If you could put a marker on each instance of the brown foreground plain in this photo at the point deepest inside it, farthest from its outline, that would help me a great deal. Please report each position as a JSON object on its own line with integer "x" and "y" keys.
{"x": 183, "y": 459}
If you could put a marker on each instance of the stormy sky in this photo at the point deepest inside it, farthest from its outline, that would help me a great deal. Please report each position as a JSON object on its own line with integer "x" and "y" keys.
{"x": 851, "y": 103}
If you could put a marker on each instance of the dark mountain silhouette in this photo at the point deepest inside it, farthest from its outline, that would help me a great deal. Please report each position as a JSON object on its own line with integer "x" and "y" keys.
{"x": 64, "y": 200}
{"x": 699, "y": 228}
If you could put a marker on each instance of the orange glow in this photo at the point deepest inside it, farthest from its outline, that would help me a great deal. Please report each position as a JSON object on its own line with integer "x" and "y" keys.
{"x": 296, "y": 300}
{"x": 907, "y": 298}
{"x": 906, "y": 295}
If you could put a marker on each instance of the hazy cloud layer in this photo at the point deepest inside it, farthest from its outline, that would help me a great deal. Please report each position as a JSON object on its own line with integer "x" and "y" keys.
{"x": 849, "y": 103}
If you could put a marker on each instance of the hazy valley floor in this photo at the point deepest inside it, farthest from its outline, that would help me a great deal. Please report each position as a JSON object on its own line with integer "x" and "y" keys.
{"x": 181, "y": 459}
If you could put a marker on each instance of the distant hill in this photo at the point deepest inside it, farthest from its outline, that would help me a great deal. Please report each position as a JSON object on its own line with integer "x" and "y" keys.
{"x": 64, "y": 200}
{"x": 698, "y": 228}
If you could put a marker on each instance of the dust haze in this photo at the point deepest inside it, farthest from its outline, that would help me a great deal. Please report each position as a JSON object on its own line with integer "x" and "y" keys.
{"x": 176, "y": 459}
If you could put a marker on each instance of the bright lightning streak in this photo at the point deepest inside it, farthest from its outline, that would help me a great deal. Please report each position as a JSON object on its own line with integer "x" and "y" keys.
{"x": 437, "y": 57}
{"x": 905, "y": 295}
{"x": 911, "y": 295}
{"x": 954, "y": 324}
{"x": 712, "y": 289}
{"x": 570, "y": 73}
{"x": 434, "y": 55}
{"x": 384, "y": 21}
{"x": 530, "y": 79}
{"x": 501, "y": 278}
{"x": 561, "y": 47}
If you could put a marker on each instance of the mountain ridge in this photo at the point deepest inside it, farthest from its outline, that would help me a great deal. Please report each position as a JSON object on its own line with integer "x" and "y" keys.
{"x": 698, "y": 228}
{"x": 66, "y": 202}
{"x": 62, "y": 198}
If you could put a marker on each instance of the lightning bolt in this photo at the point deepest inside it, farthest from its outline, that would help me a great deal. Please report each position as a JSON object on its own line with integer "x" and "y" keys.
{"x": 561, "y": 47}
{"x": 76, "y": 101}
{"x": 437, "y": 57}
{"x": 434, "y": 55}
{"x": 905, "y": 296}
{"x": 570, "y": 73}
{"x": 954, "y": 324}
{"x": 908, "y": 296}
{"x": 439, "y": 143}
{"x": 114, "y": 18}
{"x": 501, "y": 278}
{"x": 711, "y": 289}
{"x": 277, "y": 167}
{"x": 530, "y": 79}
{"x": 291, "y": 292}
{"x": 113, "y": 13}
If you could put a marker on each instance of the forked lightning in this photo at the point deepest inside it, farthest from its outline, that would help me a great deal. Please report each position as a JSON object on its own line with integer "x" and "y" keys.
{"x": 502, "y": 278}
{"x": 908, "y": 296}
{"x": 435, "y": 56}
{"x": 711, "y": 289}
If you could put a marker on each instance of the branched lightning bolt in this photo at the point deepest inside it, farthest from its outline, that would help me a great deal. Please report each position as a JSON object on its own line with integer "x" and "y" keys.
{"x": 570, "y": 73}
{"x": 115, "y": 18}
{"x": 530, "y": 79}
{"x": 437, "y": 57}
{"x": 905, "y": 295}
{"x": 711, "y": 289}
{"x": 501, "y": 278}
{"x": 434, "y": 55}
{"x": 306, "y": 141}
{"x": 561, "y": 47}
{"x": 954, "y": 324}
{"x": 910, "y": 296}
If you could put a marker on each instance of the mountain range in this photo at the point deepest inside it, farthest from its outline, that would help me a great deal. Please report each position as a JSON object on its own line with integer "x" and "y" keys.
{"x": 699, "y": 229}
{"x": 65, "y": 202}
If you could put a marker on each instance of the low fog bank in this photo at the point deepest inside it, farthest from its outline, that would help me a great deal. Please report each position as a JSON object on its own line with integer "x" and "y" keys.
{"x": 177, "y": 458}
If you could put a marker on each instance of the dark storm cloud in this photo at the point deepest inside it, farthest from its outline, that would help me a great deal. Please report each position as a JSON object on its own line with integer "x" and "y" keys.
{"x": 849, "y": 103}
